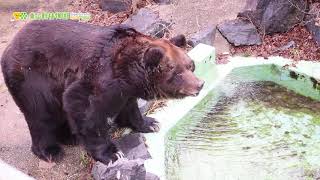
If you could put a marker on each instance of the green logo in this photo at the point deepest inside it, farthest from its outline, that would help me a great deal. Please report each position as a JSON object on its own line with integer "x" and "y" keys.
{"x": 51, "y": 16}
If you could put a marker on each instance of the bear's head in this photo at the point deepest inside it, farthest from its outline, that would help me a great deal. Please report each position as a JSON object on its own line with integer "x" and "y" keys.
{"x": 170, "y": 69}
{"x": 159, "y": 68}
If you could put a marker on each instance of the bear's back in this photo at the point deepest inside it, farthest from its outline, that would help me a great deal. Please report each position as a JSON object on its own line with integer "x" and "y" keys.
{"x": 52, "y": 47}
{"x": 56, "y": 40}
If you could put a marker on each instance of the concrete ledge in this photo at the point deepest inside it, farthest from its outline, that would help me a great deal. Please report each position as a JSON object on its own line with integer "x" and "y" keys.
{"x": 8, "y": 172}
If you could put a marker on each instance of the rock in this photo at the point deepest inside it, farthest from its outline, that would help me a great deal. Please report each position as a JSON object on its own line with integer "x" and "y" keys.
{"x": 276, "y": 16}
{"x": 148, "y": 22}
{"x": 205, "y": 36}
{"x": 240, "y": 32}
{"x": 163, "y": 1}
{"x": 313, "y": 22}
{"x": 115, "y": 6}
{"x": 122, "y": 169}
{"x": 282, "y": 15}
{"x": 133, "y": 146}
{"x": 144, "y": 105}
{"x": 221, "y": 45}
{"x": 129, "y": 168}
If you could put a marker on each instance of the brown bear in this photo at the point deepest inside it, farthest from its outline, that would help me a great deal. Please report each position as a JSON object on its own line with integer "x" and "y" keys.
{"x": 70, "y": 79}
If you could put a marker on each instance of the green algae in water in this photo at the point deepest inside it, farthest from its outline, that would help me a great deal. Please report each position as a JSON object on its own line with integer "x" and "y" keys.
{"x": 255, "y": 131}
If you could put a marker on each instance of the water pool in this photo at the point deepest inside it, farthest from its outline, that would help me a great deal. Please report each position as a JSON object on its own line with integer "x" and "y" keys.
{"x": 246, "y": 130}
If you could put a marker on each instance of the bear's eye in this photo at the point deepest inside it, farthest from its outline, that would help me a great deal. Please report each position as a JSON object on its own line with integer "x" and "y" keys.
{"x": 178, "y": 74}
{"x": 191, "y": 66}
{"x": 170, "y": 67}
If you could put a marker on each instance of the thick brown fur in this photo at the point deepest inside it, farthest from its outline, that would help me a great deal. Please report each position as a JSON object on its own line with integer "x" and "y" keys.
{"x": 70, "y": 79}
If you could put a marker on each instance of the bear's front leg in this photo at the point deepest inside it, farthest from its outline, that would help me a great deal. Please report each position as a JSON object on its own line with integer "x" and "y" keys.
{"x": 130, "y": 116}
{"x": 97, "y": 141}
{"x": 88, "y": 114}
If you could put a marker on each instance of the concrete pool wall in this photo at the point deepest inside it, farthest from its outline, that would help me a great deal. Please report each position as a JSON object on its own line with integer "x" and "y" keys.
{"x": 301, "y": 78}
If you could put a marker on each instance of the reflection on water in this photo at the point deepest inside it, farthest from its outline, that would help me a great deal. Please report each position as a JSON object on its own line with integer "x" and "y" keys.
{"x": 255, "y": 131}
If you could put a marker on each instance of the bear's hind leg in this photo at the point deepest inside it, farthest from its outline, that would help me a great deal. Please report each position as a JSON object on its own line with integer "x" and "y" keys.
{"x": 65, "y": 136}
{"x": 42, "y": 111}
{"x": 89, "y": 114}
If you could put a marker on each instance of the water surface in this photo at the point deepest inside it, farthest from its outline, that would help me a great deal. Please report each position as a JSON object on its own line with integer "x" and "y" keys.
{"x": 255, "y": 131}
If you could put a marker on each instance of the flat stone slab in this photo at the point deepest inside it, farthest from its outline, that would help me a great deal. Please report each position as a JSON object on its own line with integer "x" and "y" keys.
{"x": 121, "y": 169}
{"x": 240, "y": 32}
{"x": 115, "y": 6}
{"x": 148, "y": 22}
{"x": 163, "y": 1}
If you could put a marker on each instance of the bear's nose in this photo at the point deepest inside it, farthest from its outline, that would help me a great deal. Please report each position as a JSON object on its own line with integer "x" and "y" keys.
{"x": 200, "y": 85}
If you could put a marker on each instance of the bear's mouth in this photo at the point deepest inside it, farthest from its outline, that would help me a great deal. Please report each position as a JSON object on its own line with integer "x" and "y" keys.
{"x": 189, "y": 93}
{"x": 195, "y": 94}
{"x": 177, "y": 94}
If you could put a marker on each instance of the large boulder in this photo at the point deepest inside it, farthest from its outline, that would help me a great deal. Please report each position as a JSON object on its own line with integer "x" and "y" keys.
{"x": 148, "y": 22}
{"x": 276, "y": 16}
{"x": 240, "y": 32}
{"x": 313, "y": 22}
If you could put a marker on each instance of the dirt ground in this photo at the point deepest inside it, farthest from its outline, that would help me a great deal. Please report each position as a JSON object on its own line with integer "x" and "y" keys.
{"x": 194, "y": 15}
{"x": 15, "y": 140}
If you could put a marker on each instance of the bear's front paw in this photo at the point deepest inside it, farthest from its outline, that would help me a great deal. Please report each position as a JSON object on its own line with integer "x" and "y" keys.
{"x": 109, "y": 160}
{"x": 52, "y": 153}
{"x": 149, "y": 125}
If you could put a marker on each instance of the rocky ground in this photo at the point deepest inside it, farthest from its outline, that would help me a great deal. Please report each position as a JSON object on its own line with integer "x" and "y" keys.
{"x": 196, "y": 19}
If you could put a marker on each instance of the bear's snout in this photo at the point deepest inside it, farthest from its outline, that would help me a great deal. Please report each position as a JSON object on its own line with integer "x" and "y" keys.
{"x": 194, "y": 89}
{"x": 200, "y": 86}
{"x": 191, "y": 85}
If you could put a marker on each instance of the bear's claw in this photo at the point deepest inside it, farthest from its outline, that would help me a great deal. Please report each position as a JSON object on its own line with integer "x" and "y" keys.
{"x": 150, "y": 125}
{"x": 116, "y": 156}
{"x": 155, "y": 127}
{"x": 119, "y": 155}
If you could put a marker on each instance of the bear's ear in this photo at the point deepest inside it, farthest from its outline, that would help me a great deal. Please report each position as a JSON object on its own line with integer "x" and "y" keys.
{"x": 124, "y": 30}
{"x": 153, "y": 56}
{"x": 179, "y": 41}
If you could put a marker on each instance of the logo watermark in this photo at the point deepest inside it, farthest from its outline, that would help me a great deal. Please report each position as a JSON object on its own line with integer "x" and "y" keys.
{"x": 21, "y": 16}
